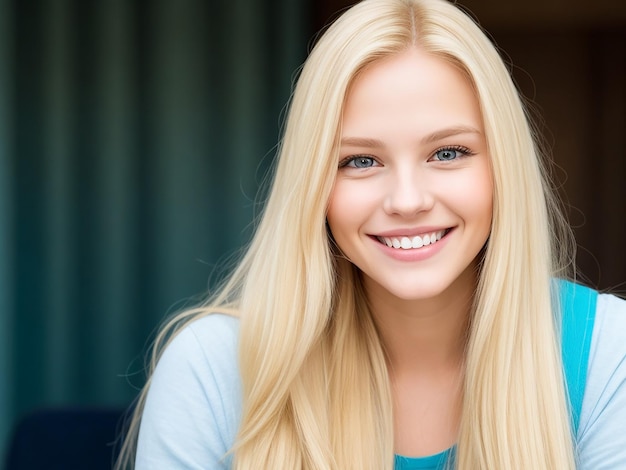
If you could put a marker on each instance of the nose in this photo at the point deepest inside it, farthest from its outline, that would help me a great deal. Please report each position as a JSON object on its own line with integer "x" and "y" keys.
{"x": 408, "y": 193}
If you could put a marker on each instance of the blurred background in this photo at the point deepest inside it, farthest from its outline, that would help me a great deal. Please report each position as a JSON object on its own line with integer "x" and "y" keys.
{"x": 134, "y": 135}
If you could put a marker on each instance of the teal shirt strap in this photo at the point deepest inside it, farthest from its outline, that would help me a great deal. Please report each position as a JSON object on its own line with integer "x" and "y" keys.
{"x": 578, "y": 307}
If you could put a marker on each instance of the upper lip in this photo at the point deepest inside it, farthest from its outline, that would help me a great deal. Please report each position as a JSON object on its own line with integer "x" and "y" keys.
{"x": 410, "y": 232}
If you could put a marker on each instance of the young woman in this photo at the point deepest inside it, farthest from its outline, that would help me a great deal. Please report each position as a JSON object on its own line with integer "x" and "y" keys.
{"x": 398, "y": 306}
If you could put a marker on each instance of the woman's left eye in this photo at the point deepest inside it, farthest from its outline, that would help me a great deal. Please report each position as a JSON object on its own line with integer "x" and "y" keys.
{"x": 450, "y": 153}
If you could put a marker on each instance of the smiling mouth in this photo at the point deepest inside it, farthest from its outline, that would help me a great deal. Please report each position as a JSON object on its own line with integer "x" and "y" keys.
{"x": 417, "y": 241}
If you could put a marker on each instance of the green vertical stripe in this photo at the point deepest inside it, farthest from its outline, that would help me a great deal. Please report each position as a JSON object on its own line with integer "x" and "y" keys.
{"x": 58, "y": 224}
{"x": 6, "y": 227}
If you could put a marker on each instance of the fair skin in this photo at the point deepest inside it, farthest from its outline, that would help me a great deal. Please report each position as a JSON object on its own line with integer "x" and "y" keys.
{"x": 411, "y": 208}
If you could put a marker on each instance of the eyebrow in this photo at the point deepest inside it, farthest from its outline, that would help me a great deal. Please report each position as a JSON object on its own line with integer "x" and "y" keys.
{"x": 449, "y": 132}
{"x": 361, "y": 142}
{"x": 434, "y": 137}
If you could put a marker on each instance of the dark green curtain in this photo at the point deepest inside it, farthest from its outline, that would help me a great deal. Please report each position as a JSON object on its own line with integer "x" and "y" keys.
{"x": 133, "y": 137}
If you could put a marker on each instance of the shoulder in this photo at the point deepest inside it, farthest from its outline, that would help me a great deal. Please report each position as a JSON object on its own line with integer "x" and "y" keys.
{"x": 208, "y": 346}
{"x": 216, "y": 335}
{"x": 601, "y": 440}
{"x": 610, "y": 311}
{"x": 610, "y": 322}
{"x": 204, "y": 352}
{"x": 192, "y": 409}
{"x": 607, "y": 356}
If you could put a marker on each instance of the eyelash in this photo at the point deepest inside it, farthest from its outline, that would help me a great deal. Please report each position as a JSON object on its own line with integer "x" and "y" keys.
{"x": 346, "y": 161}
{"x": 464, "y": 151}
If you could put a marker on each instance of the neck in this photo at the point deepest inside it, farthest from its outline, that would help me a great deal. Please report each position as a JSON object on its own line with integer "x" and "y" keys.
{"x": 425, "y": 336}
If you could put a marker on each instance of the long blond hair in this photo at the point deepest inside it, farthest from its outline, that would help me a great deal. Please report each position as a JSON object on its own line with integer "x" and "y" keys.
{"x": 315, "y": 386}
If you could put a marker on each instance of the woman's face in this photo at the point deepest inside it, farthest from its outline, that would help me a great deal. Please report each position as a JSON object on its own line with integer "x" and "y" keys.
{"x": 412, "y": 203}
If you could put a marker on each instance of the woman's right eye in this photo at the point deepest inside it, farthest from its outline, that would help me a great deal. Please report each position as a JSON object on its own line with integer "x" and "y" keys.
{"x": 358, "y": 161}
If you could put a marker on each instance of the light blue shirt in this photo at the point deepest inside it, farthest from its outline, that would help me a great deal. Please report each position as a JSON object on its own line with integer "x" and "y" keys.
{"x": 192, "y": 410}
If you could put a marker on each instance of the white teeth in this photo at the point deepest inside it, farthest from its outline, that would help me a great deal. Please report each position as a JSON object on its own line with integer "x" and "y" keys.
{"x": 406, "y": 243}
{"x": 417, "y": 242}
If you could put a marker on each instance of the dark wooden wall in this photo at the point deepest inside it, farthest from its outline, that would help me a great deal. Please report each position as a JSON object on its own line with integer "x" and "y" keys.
{"x": 568, "y": 57}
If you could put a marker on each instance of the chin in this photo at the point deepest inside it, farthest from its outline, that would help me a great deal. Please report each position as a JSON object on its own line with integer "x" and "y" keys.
{"x": 413, "y": 293}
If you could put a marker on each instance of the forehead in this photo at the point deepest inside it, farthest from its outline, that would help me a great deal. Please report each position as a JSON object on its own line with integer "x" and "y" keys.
{"x": 413, "y": 87}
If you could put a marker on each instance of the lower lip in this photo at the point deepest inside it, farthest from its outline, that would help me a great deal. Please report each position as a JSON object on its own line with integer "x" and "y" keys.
{"x": 414, "y": 254}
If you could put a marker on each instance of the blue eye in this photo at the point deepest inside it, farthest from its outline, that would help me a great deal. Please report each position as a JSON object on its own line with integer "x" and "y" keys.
{"x": 360, "y": 161}
{"x": 445, "y": 155}
{"x": 449, "y": 154}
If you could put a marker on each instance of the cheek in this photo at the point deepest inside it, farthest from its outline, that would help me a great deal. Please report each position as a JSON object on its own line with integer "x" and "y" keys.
{"x": 349, "y": 207}
{"x": 470, "y": 196}
{"x": 478, "y": 199}
{"x": 484, "y": 191}
{"x": 338, "y": 214}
